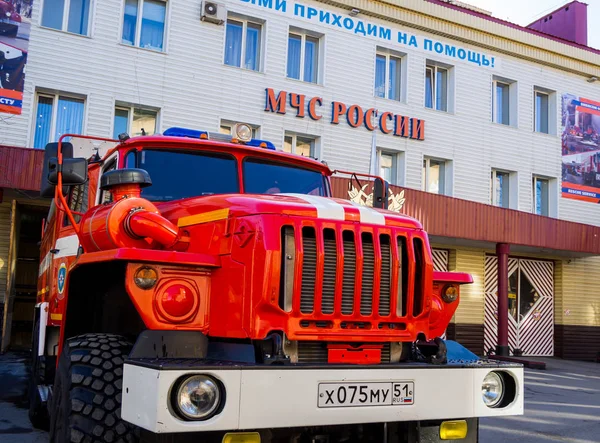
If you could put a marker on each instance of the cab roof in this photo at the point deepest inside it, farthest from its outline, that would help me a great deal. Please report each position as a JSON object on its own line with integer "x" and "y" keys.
{"x": 173, "y": 142}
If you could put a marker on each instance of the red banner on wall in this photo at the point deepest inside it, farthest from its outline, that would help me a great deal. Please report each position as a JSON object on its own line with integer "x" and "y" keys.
{"x": 15, "y": 26}
{"x": 580, "y": 148}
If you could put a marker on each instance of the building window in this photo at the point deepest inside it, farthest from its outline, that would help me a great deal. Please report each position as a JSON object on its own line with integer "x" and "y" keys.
{"x": 226, "y": 128}
{"x": 57, "y": 115}
{"x": 388, "y": 74}
{"x": 434, "y": 176}
{"x": 541, "y": 191}
{"x": 144, "y": 23}
{"x": 303, "y": 57}
{"x": 67, "y": 15}
{"x": 300, "y": 145}
{"x": 502, "y": 103}
{"x": 500, "y": 188}
{"x": 542, "y": 105}
{"x": 134, "y": 121}
{"x": 243, "y": 44}
{"x": 436, "y": 87}
{"x": 387, "y": 167}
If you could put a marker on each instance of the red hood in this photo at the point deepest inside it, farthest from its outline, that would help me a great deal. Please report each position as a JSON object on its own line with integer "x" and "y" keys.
{"x": 309, "y": 206}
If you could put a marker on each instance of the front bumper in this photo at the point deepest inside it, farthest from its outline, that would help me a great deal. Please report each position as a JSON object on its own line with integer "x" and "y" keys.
{"x": 261, "y": 397}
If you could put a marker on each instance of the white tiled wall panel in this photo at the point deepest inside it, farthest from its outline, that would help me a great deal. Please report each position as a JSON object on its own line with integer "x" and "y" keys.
{"x": 193, "y": 88}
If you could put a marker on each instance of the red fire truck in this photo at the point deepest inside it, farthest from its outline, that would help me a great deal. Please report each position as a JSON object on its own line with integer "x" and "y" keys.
{"x": 590, "y": 170}
{"x": 10, "y": 20}
{"x": 202, "y": 287}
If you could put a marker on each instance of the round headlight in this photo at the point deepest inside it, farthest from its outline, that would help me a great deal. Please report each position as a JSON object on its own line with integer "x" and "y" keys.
{"x": 242, "y": 132}
{"x": 145, "y": 277}
{"x": 198, "y": 397}
{"x": 450, "y": 294}
{"x": 492, "y": 389}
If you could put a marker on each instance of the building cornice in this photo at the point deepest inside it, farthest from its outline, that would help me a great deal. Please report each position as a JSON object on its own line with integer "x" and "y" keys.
{"x": 473, "y": 29}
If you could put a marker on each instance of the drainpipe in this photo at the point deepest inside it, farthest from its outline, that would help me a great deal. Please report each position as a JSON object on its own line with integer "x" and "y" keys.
{"x": 502, "y": 251}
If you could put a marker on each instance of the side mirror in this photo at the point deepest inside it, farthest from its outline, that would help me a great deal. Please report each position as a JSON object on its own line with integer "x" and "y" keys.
{"x": 50, "y": 152}
{"x": 74, "y": 171}
{"x": 380, "y": 193}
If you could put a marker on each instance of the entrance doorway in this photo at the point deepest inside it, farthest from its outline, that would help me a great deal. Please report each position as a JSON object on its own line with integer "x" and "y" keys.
{"x": 530, "y": 306}
{"x": 24, "y": 260}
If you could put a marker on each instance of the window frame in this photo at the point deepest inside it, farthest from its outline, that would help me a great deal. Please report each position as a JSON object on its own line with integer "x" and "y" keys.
{"x": 400, "y": 60}
{"x": 495, "y": 119}
{"x": 537, "y": 92}
{"x": 434, "y": 68}
{"x": 394, "y": 169}
{"x": 513, "y": 101}
{"x": 255, "y": 159}
{"x": 53, "y": 119}
{"x": 82, "y": 192}
{"x": 304, "y": 34}
{"x": 110, "y": 164}
{"x": 535, "y": 179}
{"x": 138, "y": 26}
{"x": 505, "y": 192}
{"x": 295, "y": 136}
{"x": 442, "y": 177}
{"x": 200, "y": 152}
{"x": 65, "y": 18}
{"x": 244, "y": 21}
{"x": 130, "y": 116}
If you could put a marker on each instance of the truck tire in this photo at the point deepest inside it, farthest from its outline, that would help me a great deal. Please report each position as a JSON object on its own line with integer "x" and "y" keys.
{"x": 86, "y": 400}
{"x": 38, "y": 411}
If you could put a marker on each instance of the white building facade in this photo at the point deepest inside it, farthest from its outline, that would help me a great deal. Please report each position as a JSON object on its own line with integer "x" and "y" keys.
{"x": 483, "y": 99}
{"x": 185, "y": 79}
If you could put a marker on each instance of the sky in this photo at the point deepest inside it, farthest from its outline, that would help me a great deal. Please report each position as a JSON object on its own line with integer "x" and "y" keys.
{"x": 524, "y": 12}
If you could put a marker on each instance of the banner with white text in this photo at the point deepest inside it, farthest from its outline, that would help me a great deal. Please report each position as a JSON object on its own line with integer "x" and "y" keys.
{"x": 15, "y": 26}
{"x": 580, "y": 148}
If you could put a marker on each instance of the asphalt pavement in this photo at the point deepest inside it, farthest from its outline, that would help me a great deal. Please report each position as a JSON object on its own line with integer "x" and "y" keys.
{"x": 562, "y": 404}
{"x": 14, "y": 422}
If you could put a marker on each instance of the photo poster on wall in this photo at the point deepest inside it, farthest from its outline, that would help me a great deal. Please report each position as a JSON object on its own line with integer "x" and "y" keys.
{"x": 15, "y": 27}
{"x": 580, "y": 148}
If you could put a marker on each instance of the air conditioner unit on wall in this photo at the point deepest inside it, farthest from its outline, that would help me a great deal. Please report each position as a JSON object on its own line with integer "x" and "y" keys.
{"x": 213, "y": 12}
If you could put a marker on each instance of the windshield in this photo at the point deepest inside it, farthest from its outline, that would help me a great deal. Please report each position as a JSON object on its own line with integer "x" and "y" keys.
{"x": 262, "y": 177}
{"x": 179, "y": 174}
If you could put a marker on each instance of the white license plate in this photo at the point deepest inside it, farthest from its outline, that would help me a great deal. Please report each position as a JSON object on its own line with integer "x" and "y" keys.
{"x": 337, "y": 395}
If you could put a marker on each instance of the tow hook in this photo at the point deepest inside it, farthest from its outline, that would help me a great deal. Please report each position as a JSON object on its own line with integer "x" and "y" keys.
{"x": 272, "y": 348}
{"x": 431, "y": 351}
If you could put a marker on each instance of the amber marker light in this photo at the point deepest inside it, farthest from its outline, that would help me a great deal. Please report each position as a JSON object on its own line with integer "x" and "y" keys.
{"x": 242, "y": 437}
{"x": 453, "y": 430}
{"x": 450, "y": 294}
{"x": 145, "y": 277}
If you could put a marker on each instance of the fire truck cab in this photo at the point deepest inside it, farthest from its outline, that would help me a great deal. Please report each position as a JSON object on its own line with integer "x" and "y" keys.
{"x": 202, "y": 287}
